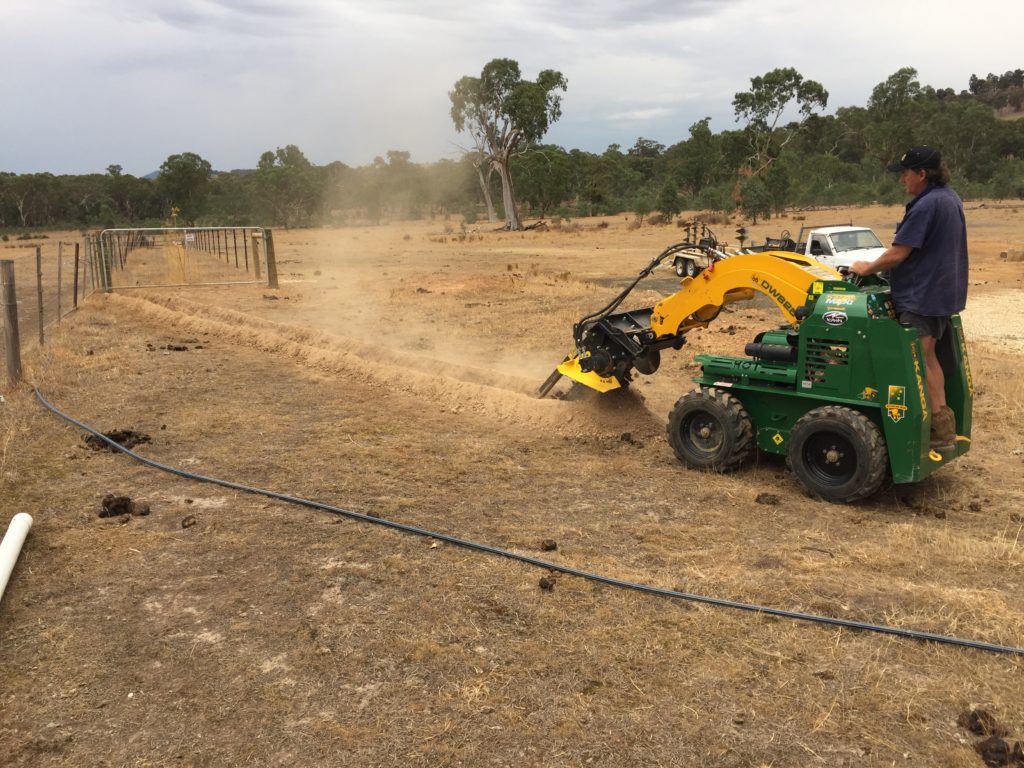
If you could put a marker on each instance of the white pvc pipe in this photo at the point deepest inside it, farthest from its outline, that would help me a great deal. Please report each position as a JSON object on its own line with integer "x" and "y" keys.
{"x": 10, "y": 547}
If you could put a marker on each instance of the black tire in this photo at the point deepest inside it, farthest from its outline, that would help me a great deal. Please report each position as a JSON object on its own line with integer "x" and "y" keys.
{"x": 692, "y": 270}
{"x": 838, "y": 454}
{"x": 680, "y": 265}
{"x": 710, "y": 429}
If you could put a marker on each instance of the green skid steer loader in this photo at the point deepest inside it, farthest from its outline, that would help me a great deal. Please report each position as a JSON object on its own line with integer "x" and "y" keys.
{"x": 839, "y": 390}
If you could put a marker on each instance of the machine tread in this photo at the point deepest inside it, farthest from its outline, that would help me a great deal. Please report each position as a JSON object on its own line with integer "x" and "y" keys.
{"x": 727, "y": 414}
{"x": 871, "y": 465}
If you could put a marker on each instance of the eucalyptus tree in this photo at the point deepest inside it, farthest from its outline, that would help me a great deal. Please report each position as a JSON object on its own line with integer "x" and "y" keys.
{"x": 765, "y": 104}
{"x": 289, "y": 185}
{"x": 185, "y": 182}
{"x": 544, "y": 178}
{"x": 504, "y": 116}
{"x": 891, "y": 108}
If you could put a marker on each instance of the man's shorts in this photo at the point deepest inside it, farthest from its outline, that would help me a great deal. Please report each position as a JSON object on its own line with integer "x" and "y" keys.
{"x": 926, "y": 325}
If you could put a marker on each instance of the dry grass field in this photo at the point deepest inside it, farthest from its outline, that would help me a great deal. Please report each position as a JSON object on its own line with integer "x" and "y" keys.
{"x": 392, "y": 374}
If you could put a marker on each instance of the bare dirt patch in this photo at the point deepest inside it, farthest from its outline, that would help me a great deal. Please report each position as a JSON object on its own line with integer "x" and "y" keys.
{"x": 393, "y": 376}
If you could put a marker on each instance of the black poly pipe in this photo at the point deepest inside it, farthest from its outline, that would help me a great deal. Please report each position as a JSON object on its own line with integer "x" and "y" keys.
{"x": 913, "y": 634}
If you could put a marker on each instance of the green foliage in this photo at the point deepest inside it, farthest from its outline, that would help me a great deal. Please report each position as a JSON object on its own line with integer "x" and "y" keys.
{"x": 716, "y": 198}
{"x": 643, "y": 204}
{"x": 669, "y": 203}
{"x": 184, "y": 183}
{"x": 1004, "y": 91}
{"x": 763, "y": 106}
{"x": 504, "y": 115}
{"x": 543, "y": 178}
{"x": 288, "y": 187}
{"x": 756, "y": 199}
{"x": 813, "y": 160}
{"x": 1008, "y": 179}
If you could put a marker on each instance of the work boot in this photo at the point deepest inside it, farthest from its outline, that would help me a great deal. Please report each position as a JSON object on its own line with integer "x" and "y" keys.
{"x": 943, "y": 436}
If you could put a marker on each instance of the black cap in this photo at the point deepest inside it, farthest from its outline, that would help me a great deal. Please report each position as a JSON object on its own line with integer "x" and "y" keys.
{"x": 917, "y": 158}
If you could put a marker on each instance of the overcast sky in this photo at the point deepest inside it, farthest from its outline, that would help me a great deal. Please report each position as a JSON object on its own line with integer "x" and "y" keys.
{"x": 90, "y": 83}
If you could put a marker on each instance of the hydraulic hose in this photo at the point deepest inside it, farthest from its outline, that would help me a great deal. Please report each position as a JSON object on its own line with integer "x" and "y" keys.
{"x": 600, "y": 314}
{"x": 555, "y": 567}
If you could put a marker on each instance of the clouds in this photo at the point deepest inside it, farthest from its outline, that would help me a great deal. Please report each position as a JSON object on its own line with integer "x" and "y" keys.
{"x": 133, "y": 81}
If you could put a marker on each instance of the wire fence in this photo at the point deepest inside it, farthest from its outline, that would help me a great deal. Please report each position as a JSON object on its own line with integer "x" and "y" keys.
{"x": 182, "y": 256}
{"x": 50, "y": 279}
{"x": 41, "y": 283}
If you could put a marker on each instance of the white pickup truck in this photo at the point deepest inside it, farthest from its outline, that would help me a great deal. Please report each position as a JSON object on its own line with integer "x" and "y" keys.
{"x": 837, "y": 245}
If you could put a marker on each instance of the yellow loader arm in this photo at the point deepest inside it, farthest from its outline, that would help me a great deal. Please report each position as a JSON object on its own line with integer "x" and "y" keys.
{"x": 609, "y": 346}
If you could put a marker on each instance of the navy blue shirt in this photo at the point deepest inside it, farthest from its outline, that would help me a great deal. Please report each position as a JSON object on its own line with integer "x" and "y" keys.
{"x": 932, "y": 280}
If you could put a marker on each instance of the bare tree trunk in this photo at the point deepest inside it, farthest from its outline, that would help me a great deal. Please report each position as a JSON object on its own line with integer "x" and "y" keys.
{"x": 485, "y": 187}
{"x": 500, "y": 159}
{"x": 508, "y": 198}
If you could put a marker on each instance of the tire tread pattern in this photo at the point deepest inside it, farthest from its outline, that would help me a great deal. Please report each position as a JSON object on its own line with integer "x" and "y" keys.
{"x": 739, "y": 442}
{"x": 872, "y": 475}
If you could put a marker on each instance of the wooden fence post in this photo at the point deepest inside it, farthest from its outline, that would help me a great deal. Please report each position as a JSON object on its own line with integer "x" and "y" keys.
{"x": 271, "y": 259}
{"x": 9, "y": 302}
{"x": 39, "y": 289}
{"x": 256, "y": 254}
{"x": 90, "y": 264}
{"x": 60, "y": 276}
{"x": 75, "y": 292}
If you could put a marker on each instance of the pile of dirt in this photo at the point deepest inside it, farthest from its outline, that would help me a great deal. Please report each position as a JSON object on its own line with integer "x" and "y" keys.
{"x": 456, "y": 388}
{"x": 127, "y": 438}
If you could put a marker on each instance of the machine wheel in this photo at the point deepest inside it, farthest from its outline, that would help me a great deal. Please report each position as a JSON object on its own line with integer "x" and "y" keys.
{"x": 686, "y": 267}
{"x": 838, "y": 453}
{"x": 710, "y": 429}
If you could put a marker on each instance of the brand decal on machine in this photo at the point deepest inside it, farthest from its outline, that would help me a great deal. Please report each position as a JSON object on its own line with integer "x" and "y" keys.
{"x": 775, "y": 293}
{"x": 869, "y": 393}
{"x": 897, "y": 403}
{"x": 920, "y": 381}
{"x": 835, "y": 317}
{"x": 967, "y": 363}
{"x": 840, "y": 299}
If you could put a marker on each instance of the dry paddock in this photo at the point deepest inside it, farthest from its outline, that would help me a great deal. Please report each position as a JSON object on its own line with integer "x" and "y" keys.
{"x": 392, "y": 375}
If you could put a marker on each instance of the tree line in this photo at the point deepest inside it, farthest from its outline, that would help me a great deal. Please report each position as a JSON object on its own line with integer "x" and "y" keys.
{"x": 763, "y": 166}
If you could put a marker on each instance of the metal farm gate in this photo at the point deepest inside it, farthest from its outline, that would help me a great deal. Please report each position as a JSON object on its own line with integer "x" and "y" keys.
{"x": 181, "y": 256}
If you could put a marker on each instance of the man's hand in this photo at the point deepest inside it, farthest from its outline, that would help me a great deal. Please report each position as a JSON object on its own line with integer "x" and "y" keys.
{"x": 861, "y": 268}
